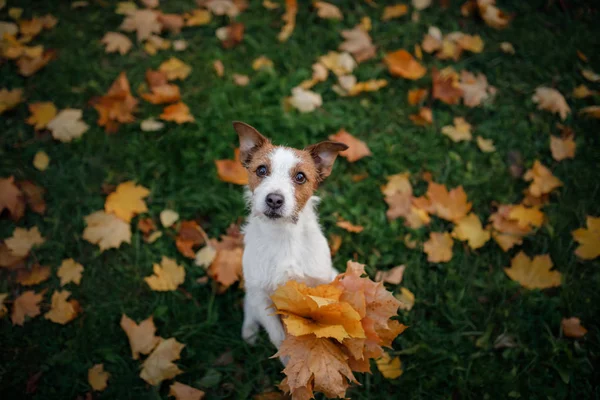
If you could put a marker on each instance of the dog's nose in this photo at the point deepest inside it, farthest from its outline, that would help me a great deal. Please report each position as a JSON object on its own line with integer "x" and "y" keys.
{"x": 274, "y": 200}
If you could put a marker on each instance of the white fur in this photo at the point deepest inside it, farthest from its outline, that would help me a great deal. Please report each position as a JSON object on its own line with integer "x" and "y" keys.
{"x": 280, "y": 250}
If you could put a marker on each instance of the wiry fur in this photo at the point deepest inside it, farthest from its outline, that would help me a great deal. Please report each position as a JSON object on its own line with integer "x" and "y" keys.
{"x": 291, "y": 246}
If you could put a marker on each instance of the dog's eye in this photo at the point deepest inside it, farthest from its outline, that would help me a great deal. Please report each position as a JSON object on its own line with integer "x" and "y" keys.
{"x": 261, "y": 171}
{"x": 300, "y": 178}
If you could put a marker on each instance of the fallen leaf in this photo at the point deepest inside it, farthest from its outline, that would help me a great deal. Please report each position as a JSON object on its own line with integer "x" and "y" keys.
{"x": 341, "y": 64}
{"x": 146, "y": 226}
{"x": 552, "y": 100}
{"x": 31, "y": 27}
{"x": 358, "y": 43}
{"x": 590, "y": 75}
{"x": 61, "y": 310}
{"x": 485, "y": 145}
{"x": 591, "y": 111}
{"x": 262, "y": 62}
{"x": 241, "y": 80}
{"x": 156, "y": 43}
{"x": 41, "y": 114}
{"x": 423, "y": 118}
{"x": 41, "y": 160}
{"x": 421, "y": 4}
{"x": 11, "y": 198}
{"x": 395, "y": 11}
{"x": 185, "y": 392}
{"x": 106, "y": 230}
{"x": 402, "y": 63}
{"x": 116, "y": 42}
{"x": 507, "y": 48}
{"x": 469, "y": 229}
{"x": 9, "y": 99}
{"x": 159, "y": 364}
{"x": 219, "y": 68}
{"x": 8, "y": 259}
{"x": 168, "y": 217}
{"x": 446, "y": 86}
{"x": 572, "y": 327}
{"x": 23, "y": 240}
{"x": 3, "y": 309}
{"x": 357, "y": 149}
{"x": 406, "y": 298}
{"x": 450, "y": 205}
{"x": 305, "y": 100}
{"x": 178, "y": 112}
{"x": 205, "y": 256}
{"x": 231, "y": 35}
{"x": 350, "y": 227}
{"x": 30, "y": 277}
{"x": 171, "y": 22}
{"x": 29, "y": 65}
{"x": 289, "y": 19}
{"x": 26, "y": 305}
{"x": 226, "y": 268}
{"x": 167, "y": 276}
{"x": 475, "y": 88}
{"x": 67, "y": 125}
{"x": 390, "y": 368}
{"x": 98, "y": 377}
{"x": 232, "y": 171}
{"x": 416, "y": 96}
{"x": 543, "y": 181}
{"x": 34, "y": 196}
{"x": 328, "y": 10}
{"x": 223, "y": 7}
{"x": 526, "y": 216}
{"x": 117, "y": 106}
{"x": 461, "y": 130}
{"x": 582, "y": 91}
{"x": 197, "y": 18}
{"x": 151, "y": 125}
{"x": 439, "y": 247}
{"x": 335, "y": 242}
{"x": 162, "y": 94}
{"x": 175, "y": 69}
{"x": 189, "y": 235}
{"x": 143, "y": 22}
{"x": 588, "y": 239}
{"x": 127, "y": 201}
{"x": 69, "y": 271}
{"x": 492, "y": 15}
{"x": 533, "y": 273}
{"x": 125, "y": 7}
{"x": 180, "y": 45}
{"x": 142, "y": 338}
{"x": 562, "y": 147}
{"x": 393, "y": 276}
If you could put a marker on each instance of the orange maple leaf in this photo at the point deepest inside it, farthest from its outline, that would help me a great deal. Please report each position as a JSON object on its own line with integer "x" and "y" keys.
{"x": 178, "y": 112}
{"x": 232, "y": 171}
{"x": 117, "y": 106}
{"x": 402, "y": 63}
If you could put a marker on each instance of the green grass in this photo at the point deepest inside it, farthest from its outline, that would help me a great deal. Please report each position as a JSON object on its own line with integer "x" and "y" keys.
{"x": 461, "y": 306}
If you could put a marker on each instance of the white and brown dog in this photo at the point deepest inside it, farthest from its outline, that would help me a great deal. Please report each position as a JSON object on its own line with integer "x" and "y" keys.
{"x": 283, "y": 239}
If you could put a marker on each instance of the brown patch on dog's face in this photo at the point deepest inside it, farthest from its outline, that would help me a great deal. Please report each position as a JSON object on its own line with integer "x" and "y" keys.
{"x": 259, "y": 158}
{"x": 306, "y": 166}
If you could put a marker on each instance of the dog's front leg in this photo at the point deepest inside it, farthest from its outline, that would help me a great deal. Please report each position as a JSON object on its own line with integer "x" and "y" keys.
{"x": 258, "y": 310}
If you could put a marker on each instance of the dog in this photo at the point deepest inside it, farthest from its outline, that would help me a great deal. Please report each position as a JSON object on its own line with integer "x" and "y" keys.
{"x": 282, "y": 237}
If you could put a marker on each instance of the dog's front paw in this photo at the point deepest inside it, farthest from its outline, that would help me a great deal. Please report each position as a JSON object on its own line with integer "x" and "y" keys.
{"x": 250, "y": 333}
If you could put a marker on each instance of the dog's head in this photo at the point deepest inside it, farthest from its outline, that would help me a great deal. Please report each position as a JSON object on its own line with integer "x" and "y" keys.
{"x": 282, "y": 179}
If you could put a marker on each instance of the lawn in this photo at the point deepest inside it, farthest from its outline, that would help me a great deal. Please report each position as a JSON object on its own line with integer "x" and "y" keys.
{"x": 463, "y": 307}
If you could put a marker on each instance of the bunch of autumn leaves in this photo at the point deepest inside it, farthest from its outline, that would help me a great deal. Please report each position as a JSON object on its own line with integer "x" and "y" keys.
{"x": 26, "y": 270}
{"x": 334, "y": 330}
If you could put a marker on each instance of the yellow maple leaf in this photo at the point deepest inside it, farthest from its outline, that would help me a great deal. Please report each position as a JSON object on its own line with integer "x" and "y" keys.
{"x": 41, "y": 114}
{"x": 450, "y": 205}
{"x": 390, "y": 367}
{"x": 10, "y": 99}
{"x": 562, "y": 148}
{"x": 159, "y": 364}
{"x": 127, "y": 201}
{"x": 142, "y": 338}
{"x": 439, "y": 247}
{"x": 588, "y": 239}
{"x": 197, "y": 18}
{"x": 37, "y": 274}
{"x": 543, "y": 181}
{"x": 406, "y": 299}
{"x": 27, "y": 304}
{"x": 262, "y": 62}
{"x": 23, "y": 240}
{"x": 551, "y": 100}
{"x": 62, "y": 311}
{"x": 185, "y": 392}
{"x": 106, "y": 230}
{"x": 116, "y": 42}
{"x": 174, "y": 68}
{"x": 41, "y": 161}
{"x": 469, "y": 229}
{"x": 98, "y": 377}
{"x": 69, "y": 271}
{"x": 461, "y": 130}
{"x": 526, "y": 216}
{"x": 167, "y": 276}
{"x": 533, "y": 273}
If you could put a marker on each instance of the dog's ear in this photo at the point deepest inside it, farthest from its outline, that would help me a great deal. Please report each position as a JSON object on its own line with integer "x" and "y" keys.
{"x": 250, "y": 141}
{"x": 324, "y": 154}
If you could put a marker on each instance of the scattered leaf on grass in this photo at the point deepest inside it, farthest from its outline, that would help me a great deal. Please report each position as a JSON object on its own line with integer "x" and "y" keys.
{"x": 67, "y": 125}
{"x": 189, "y": 235}
{"x": 30, "y": 277}
{"x": 98, "y": 377}
{"x": 159, "y": 364}
{"x": 232, "y": 171}
{"x": 402, "y": 63}
{"x": 226, "y": 268}
{"x": 475, "y": 88}
{"x": 241, "y": 80}
{"x": 26, "y": 305}
{"x": 588, "y": 239}
{"x": 446, "y": 86}
{"x": 174, "y": 68}
{"x": 533, "y": 273}
{"x": 116, "y": 42}
{"x": 590, "y": 75}
{"x": 9, "y": 99}
{"x": 197, "y": 18}
{"x": 116, "y": 106}
{"x": 357, "y": 149}
{"x": 543, "y": 181}
{"x": 106, "y": 230}
{"x": 167, "y": 276}
{"x": 178, "y": 112}
{"x": 41, "y": 160}
{"x": 29, "y": 65}
{"x": 390, "y": 367}
{"x": 11, "y": 198}
{"x": 492, "y": 15}
{"x": 69, "y": 271}
{"x": 439, "y": 247}
{"x": 335, "y": 242}
{"x": 552, "y": 100}
{"x": 562, "y": 147}
{"x": 41, "y": 114}
{"x": 185, "y": 392}
{"x": 450, "y": 205}
{"x": 328, "y": 10}
{"x": 393, "y": 276}
{"x": 23, "y": 240}
{"x": 168, "y": 217}
{"x": 180, "y": 45}
{"x": 582, "y": 91}
{"x": 231, "y": 35}
{"x": 305, "y": 100}
{"x": 289, "y": 19}
{"x": 151, "y": 125}
{"x": 143, "y": 22}
{"x": 591, "y": 111}
{"x": 350, "y": 227}
{"x": 127, "y": 201}
{"x": 423, "y": 118}
{"x": 461, "y": 130}
{"x": 34, "y": 196}
{"x": 416, "y": 96}
{"x": 485, "y": 145}
{"x": 205, "y": 256}
{"x": 526, "y": 216}
{"x": 469, "y": 229}
{"x": 572, "y": 327}
{"x": 61, "y": 310}
{"x": 395, "y": 11}
{"x": 358, "y": 43}
{"x": 219, "y": 68}
{"x": 142, "y": 338}
{"x": 507, "y": 48}
{"x": 262, "y": 62}
{"x": 406, "y": 299}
